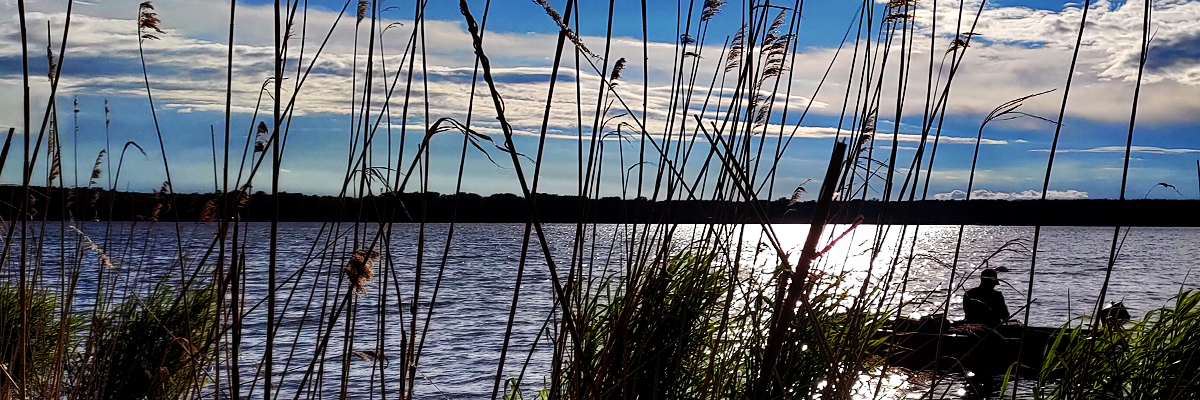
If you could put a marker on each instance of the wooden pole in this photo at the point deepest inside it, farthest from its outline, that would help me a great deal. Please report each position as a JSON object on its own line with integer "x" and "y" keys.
{"x": 786, "y": 310}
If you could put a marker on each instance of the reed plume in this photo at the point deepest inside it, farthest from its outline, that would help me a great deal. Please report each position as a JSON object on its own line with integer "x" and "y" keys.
{"x": 50, "y": 61}
{"x": 778, "y": 22}
{"x": 52, "y": 148}
{"x": 358, "y": 269}
{"x": 711, "y": 8}
{"x": 901, "y": 4}
{"x": 763, "y": 110}
{"x": 571, "y": 35}
{"x": 616, "y": 72}
{"x": 209, "y": 212}
{"x": 161, "y": 200}
{"x": 362, "y": 10}
{"x": 55, "y": 151}
{"x": 897, "y": 17}
{"x": 735, "y": 50}
{"x": 796, "y": 194}
{"x": 957, "y": 44}
{"x": 148, "y": 21}
{"x": 260, "y": 138}
{"x": 96, "y": 168}
{"x": 91, "y": 245}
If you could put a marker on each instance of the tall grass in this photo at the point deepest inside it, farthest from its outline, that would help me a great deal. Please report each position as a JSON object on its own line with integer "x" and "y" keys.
{"x": 1156, "y": 357}
{"x": 656, "y": 310}
{"x": 44, "y": 337}
{"x": 149, "y": 347}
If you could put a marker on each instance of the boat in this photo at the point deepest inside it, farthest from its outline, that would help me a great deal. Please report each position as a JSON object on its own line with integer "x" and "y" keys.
{"x": 936, "y": 344}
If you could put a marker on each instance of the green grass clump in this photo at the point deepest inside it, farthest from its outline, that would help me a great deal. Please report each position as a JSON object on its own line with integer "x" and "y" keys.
{"x": 692, "y": 328}
{"x": 36, "y": 359}
{"x": 1157, "y": 357}
{"x": 651, "y": 341}
{"x": 150, "y": 347}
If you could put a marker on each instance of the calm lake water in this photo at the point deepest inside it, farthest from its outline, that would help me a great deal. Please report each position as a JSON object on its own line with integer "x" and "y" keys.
{"x": 465, "y": 330}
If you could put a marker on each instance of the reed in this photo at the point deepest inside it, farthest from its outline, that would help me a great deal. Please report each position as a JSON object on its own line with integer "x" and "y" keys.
{"x": 40, "y": 334}
{"x": 657, "y": 310}
{"x": 1157, "y": 356}
{"x": 149, "y": 347}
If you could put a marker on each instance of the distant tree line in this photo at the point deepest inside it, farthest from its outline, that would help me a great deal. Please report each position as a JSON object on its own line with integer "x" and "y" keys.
{"x": 54, "y": 204}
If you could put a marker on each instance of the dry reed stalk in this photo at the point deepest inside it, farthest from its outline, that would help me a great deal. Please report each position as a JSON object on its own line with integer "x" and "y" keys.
{"x": 87, "y": 241}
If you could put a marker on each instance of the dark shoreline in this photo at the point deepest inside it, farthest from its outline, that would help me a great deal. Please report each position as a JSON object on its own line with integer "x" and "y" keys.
{"x": 90, "y": 204}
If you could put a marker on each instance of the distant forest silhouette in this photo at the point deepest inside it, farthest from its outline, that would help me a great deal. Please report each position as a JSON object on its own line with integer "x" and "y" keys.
{"x": 88, "y": 204}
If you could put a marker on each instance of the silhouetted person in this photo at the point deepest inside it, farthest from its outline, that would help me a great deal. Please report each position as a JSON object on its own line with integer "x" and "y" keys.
{"x": 983, "y": 304}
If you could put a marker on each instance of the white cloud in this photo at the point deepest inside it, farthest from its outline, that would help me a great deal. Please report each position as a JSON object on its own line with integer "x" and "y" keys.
{"x": 188, "y": 63}
{"x": 1121, "y": 149}
{"x": 1021, "y": 51}
{"x": 983, "y": 194}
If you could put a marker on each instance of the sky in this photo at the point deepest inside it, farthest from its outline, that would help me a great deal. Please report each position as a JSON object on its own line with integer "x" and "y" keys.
{"x": 1021, "y": 47}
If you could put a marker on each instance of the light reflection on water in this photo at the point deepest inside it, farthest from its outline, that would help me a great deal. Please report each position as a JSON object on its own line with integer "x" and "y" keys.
{"x": 466, "y": 328}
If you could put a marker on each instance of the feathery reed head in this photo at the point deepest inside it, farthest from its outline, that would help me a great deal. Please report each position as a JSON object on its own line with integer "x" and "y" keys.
{"x": 148, "y": 21}
{"x": 686, "y": 39}
{"x": 868, "y": 125}
{"x": 165, "y": 188}
{"x": 52, "y": 66}
{"x": 209, "y": 212}
{"x": 711, "y": 8}
{"x": 762, "y": 108}
{"x": 550, "y": 10}
{"x": 558, "y": 19}
{"x": 96, "y": 169}
{"x": 362, "y": 10}
{"x": 797, "y": 193}
{"x": 616, "y": 71}
{"x": 897, "y": 17}
{"x": 260, "y": 138}
{"x": 91, "y": 245}
{"x": 778, "y": 22}
{"x": 901, "y": 4}
{"x": 358, "y": 269}
{"x": 161, "y": 202}
{"x": 735, "y": 50}
{"x": 957, "y": 44}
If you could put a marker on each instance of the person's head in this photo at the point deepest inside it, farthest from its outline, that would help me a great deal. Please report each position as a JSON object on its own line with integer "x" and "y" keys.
{"x": 989, "y": 278}
{"x": 1116, "y": 314}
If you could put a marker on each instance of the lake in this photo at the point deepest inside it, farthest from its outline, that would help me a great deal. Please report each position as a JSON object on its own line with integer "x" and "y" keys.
{"x": 467, "y": 320}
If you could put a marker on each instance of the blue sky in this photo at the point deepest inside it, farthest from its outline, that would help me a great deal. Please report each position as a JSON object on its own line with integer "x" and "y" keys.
{"x": 1024, "y": 48}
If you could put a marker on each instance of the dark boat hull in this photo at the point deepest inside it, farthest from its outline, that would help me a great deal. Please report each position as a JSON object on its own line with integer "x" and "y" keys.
{"x": 977, "y": 349}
